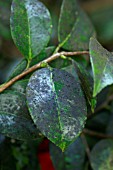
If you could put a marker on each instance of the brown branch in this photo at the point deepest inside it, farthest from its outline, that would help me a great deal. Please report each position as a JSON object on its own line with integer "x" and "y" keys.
{"x": 39, "y": 65}
{"x": 96, "y": 134}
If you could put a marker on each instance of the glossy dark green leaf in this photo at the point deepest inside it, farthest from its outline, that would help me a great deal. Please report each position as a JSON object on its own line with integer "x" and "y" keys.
{"x": 57, "y": 105}
{"x": 72, "y": 159}
{"x": 30, "y": 26}
{"x": 102, "y": 155}
{"x": 15, "y": 121}
{"x": 75, "y": 28}
{"x": 102, "y": 66}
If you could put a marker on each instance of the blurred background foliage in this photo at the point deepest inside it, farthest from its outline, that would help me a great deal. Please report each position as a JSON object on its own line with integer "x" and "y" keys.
{"x": 19, "y": 155}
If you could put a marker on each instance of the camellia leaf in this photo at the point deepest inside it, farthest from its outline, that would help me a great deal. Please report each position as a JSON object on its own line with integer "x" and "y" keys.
{"x": 20, "y": 86}
{"x": 15, "y": 121}
{"x": 72, "y": 159}
{"x": 30, "y": 26}
{"x": 71, "y": 69}
{"x": 18, "y": 69}
{"x": 82, "y": 76}
{"x": 102, "y": 155}
{"x": 102, "y": 66}
{"x": 86, "y": 80}
{"x": 23, "y": 64}
{"x": 57, "y": 105}
{"x": 75, "y": 28}
{"x": 86, "y": 83}
{"x": 47, "y": 52}
{"x": 13, "y": 102}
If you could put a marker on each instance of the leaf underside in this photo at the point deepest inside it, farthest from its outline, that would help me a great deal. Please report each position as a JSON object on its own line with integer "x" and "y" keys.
{"x": 57, "y": 105}
{"x": 102, "y": 66}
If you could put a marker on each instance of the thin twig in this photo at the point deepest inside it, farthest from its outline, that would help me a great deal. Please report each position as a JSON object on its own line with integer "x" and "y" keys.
{"x": 96, "y": 134}
{"x": 86, "y": 145}
{"x": 39, "y": 65}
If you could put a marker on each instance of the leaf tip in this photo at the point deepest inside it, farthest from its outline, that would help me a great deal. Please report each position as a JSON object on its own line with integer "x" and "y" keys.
{"x": 63, "y": 146}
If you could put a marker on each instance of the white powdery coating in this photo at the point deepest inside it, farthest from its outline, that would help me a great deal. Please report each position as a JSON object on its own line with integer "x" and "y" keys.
{"x": 36, "y": 9}
{"x": 69, "y": 132}
{"x": 39, "y": 93}
{"x": 8, "y": 120}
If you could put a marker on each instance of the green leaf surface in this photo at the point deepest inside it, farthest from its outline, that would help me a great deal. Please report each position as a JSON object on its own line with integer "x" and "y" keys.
{"x": 13, "y": 102}
{"x": 86, "y": 83}
{"x": 20, "y": 86}
{"x": 17, "y": 127}
{"x": 60, "y": 63}
{"x": 47, "y": 52}
{"x": 102, "y": 155}
{"x": 71, "y": 69}
{"x": 30, "y": 26}
{"x": 15, "y": 121}
{"x": 75, "y": 28}
{"x": 18, "y": 69}
{"x": 57, "y": 105}
{"x": 102, "y": 66}
{"x": 84, "y": 78}
{"x": 72, "y": 159}
{"x": 23, "y": 64}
